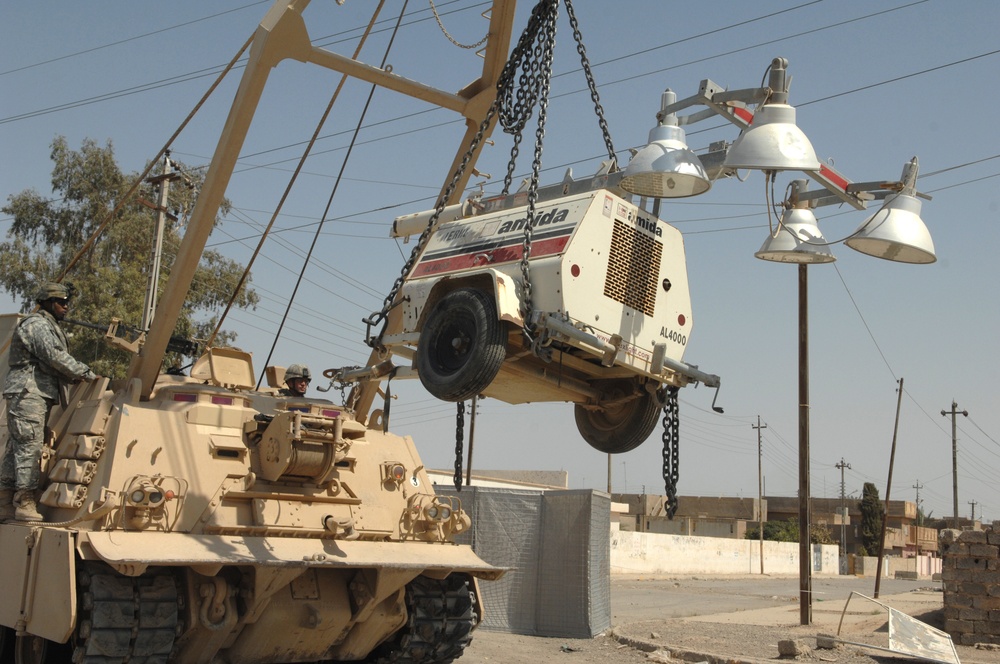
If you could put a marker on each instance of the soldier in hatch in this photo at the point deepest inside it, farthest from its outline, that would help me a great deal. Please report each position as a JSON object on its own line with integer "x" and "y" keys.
{"x": 297, "y": 378}
{"x": 41, "y": 370}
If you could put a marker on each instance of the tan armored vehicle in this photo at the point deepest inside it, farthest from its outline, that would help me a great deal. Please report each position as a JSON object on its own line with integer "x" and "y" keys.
{"x": 194, "y": 520}
{"x": 211, "y": 523}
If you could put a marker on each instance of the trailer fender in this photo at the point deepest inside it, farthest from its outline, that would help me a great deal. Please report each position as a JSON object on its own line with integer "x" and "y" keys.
{"x": 422, "y": 297}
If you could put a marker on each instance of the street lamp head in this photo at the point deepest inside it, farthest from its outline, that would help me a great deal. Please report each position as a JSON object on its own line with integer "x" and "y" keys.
{"x": 773, "y": 142}
{"x": 797, "y": 240}
{"x": 666, "y": 167}
{"x": 896, "y": 232}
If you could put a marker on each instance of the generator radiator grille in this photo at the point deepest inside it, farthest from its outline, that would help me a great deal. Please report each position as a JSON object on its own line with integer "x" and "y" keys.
{"x": 633, "y": 268}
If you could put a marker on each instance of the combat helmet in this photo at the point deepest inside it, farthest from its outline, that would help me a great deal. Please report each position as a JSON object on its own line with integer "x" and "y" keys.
{"x": 53, "y": 290}
{"x": 297, "y": 371}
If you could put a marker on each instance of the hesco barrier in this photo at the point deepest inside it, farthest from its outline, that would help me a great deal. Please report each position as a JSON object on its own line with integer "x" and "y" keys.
{"x": 557, "y": 548}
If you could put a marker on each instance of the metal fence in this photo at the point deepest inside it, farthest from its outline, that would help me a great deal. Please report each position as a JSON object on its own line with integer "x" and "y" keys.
{"x": 556, "y": 545}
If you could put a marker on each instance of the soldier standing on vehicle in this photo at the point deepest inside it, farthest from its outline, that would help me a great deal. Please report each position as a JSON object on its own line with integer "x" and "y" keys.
{"x": 297, "y": 378}
{"x": 41, "y": 370}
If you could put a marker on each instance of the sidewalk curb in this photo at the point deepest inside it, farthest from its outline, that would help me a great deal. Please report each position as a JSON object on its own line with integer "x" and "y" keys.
{"x": 680, "y": 653}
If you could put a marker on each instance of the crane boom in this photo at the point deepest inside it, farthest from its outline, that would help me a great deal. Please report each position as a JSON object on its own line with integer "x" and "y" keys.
{"x": 282, "y": 35}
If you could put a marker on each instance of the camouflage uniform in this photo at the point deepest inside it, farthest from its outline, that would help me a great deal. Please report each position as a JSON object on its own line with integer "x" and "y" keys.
{"x": 41, "y": 370}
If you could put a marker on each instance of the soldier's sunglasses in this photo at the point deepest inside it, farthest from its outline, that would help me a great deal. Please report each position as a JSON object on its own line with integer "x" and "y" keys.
{"x": 62, "y": 301}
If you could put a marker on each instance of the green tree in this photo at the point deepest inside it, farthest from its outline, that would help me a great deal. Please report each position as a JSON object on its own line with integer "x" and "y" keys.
{"x": 872, "y": 513}
{"x": 87, "y": 184}
{"x": 788, "y": 531}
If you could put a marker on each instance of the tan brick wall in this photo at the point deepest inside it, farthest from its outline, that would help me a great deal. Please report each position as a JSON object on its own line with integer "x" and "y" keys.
{"x": 971, "y": 575}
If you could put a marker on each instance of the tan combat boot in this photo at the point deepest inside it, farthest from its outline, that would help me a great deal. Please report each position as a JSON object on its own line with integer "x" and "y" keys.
{"x": 25, "y": 508}
{"x": 6, "y": 504}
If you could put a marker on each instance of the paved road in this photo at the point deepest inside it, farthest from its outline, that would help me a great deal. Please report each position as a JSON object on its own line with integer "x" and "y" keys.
{"x": 642, "y": 600}
{"x": 647, "y": 598}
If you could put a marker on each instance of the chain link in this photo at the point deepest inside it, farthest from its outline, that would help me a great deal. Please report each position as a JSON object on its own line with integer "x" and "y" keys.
{"x": 533, "y": 57}
{"x": 671, "y": 448}
{"x": 459, "y": 443}
{"x": 594, "y": 96}
{"x": 437, "y": 17}
{"x": 379, "y": 317}
{"x": 511, "y": 116}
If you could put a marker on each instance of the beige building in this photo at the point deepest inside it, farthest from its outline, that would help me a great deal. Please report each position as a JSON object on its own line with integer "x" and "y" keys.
{"x": 903, "y": 536}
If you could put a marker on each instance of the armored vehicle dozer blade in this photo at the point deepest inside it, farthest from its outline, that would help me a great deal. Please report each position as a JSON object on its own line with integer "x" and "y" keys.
{"x": 215, "y": 523}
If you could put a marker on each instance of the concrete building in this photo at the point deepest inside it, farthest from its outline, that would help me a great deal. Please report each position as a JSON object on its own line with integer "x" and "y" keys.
{"x": 903, "y": 536}
{"x": 696, "y": 515}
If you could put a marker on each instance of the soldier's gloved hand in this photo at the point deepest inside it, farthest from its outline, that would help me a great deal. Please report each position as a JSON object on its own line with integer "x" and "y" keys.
{"x": 90, "y": 376}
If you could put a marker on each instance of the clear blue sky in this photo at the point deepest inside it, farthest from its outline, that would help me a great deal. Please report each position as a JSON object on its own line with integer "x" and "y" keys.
{"x": 875, "y": 83}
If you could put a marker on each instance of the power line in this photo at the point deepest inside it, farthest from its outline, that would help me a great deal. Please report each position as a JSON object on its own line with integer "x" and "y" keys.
{"x": 129, "y": 39}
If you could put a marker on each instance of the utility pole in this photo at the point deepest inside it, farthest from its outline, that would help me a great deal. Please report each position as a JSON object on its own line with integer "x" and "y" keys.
{"x": 954, "y": 455}
{"x": 609, "y": 473}
{"x": 888, "y": 487}
{"x": 843, "y": 512}
{"x": 920, "y": 515}
{"x": 760, "y": 491}
{"x": 973, "y": 503}
{"x": 149, "y": 306}
{"x": 472, "y": 439}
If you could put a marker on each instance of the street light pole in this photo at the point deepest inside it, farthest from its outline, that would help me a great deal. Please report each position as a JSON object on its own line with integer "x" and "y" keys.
{"x": 805, "y": 559}
{"x": 760, "y": 490}
{"x": 770, "y": 141}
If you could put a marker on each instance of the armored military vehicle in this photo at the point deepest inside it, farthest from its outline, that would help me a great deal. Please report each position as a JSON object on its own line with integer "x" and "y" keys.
{"x": 210, "y": 522}
{"x": 196, "y": 519}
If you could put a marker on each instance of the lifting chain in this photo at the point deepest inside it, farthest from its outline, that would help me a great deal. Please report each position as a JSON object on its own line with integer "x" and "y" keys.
{"x": 671, "y": 448}
{"x": 516, "y": 97}
{"x": 596, "y": 98}
{"x": 437, "y": 17}
{"x": 533, "y": 57}
{"x": 459, "y": 443}
{"x": 504, "y": 82}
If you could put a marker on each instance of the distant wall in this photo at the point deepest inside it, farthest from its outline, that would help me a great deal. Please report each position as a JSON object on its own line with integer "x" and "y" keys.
{"x": 654, "y": 553}
{"x": 917, "y": 567}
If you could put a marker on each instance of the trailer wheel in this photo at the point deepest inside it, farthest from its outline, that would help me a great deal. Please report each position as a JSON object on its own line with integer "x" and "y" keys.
{"x": 30, "y": 649}
{"x": 461, "y": 346}
{"x": 628, "y": 415}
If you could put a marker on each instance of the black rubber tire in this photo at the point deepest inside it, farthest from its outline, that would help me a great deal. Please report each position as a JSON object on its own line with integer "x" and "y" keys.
{"x": 619, "y": 428}
{"x": 461, "y": 346}
{"x": 30, "y": 649}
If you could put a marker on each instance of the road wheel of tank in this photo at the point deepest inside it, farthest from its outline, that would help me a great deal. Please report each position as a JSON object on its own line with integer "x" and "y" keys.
{"x": 627, "y": 416}
{"x": 125, "y": 619}
{"x": 461, "y": 346}
{"x": 440, "y": 617}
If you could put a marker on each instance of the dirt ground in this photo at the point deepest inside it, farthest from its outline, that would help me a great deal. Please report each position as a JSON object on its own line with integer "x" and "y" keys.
{"x": 726, "y": 619}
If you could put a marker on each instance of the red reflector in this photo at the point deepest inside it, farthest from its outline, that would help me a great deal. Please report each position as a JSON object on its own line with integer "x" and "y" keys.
{"x": 575, "y": 270}
{"x": 330, "y": 413}
{"x": 186, "y": 397}
{"x": 743, "y": 114}
{"x": 222, "y": 401}
{"x": 681, "y": 319}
